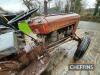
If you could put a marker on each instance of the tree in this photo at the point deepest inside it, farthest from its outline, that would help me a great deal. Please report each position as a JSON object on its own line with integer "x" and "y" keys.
{"x": 67, "y": 6}
{"x": 46, "y": 2}
{"x": 78, "y": 6}
{"x": 58, "y": 5}
{"x": 97, "y": 10}
{"x": 49, "y": 2}
{"x": 73, "y": 6}
{"x": 28, "y": 4}
{"x": 45, "y": 7}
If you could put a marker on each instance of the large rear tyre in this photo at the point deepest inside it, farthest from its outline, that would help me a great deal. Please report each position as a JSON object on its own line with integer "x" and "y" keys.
{"x": 82, "y": 48}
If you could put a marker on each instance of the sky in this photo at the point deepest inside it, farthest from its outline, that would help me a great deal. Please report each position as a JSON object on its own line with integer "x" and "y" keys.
{"x": 16, "y": 5}
{"x": 12, "y": 5}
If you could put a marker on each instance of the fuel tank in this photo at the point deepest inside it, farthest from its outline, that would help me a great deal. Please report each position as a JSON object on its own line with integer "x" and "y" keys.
{"x": 45, "y": 25}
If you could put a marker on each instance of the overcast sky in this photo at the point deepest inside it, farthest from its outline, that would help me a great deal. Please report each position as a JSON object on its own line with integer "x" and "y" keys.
{"x": 16, "y": 5}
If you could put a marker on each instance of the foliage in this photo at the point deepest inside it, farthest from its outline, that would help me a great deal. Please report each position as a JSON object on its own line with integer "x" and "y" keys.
{"x": 90, "y": 18}
{"x": 31, "y": 3}
{"x": 75, "y": 6}
{"x": 97, "y": 10}
{"x": 28, "y": 3}
{"x": 78, "y": 6}
{"x": 45, "y": 7}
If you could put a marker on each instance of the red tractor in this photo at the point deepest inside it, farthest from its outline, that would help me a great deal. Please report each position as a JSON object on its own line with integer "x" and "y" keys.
{"x": 46, "y": 33}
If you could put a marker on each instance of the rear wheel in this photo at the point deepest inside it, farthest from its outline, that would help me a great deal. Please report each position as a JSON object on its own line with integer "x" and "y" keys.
{"x": 82, "y": 48}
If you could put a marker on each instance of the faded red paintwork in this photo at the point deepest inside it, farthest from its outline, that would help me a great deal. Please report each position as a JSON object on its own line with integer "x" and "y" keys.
{"x": 45, "y": 25}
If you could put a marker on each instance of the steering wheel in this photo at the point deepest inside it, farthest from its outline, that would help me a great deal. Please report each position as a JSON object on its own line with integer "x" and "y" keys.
{"x": 23, "y": 16}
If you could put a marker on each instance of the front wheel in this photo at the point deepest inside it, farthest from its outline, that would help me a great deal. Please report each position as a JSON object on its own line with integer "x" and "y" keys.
{"x": 82, "y": 48}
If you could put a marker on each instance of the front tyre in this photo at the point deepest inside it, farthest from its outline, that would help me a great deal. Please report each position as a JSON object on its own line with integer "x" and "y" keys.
{"x": 82, "y": 48}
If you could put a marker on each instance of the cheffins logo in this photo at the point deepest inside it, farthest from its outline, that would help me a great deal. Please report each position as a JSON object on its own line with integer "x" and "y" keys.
{"x": 81, "y": 66}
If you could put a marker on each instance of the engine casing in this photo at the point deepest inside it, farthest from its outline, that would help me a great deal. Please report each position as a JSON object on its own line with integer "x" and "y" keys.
{"x": 45, "y": 25}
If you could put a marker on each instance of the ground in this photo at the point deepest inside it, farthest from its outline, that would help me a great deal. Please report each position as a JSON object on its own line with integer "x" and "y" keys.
{"x": 60, "y": 62}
